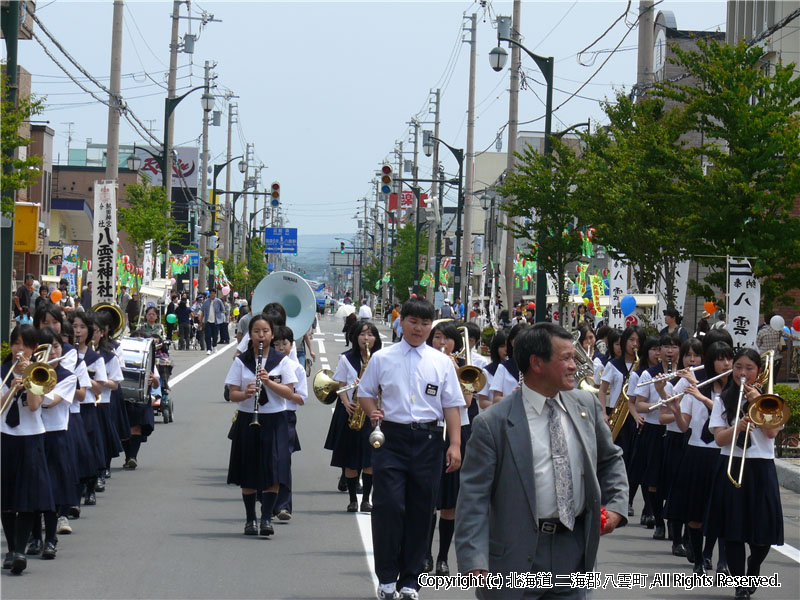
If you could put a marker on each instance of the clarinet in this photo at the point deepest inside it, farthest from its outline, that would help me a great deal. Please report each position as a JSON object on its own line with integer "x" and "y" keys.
{"x": 259, "y": 383}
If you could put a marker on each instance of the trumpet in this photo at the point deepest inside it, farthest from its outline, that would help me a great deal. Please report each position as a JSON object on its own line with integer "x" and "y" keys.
{"x": 669, "y": 375}
{"x": 39, "y": 377}
{"x": 661, "y": 403}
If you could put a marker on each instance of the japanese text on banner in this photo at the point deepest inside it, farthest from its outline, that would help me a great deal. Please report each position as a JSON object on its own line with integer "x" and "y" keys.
{"x": 744, "y": 298}
{"x": 617, "y": 289}
{"x": 104, "y": 241}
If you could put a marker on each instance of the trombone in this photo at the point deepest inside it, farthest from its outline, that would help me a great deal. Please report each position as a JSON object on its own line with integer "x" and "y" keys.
{"x": 471, "y": 378}
{"x": 768, "y": 410}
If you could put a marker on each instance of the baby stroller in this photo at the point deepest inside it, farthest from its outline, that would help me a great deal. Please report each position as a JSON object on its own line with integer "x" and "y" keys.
{"x": 162, "y": 404}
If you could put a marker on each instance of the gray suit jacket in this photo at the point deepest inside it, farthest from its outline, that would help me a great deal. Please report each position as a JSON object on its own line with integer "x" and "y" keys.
{"x": 496, "y": 525}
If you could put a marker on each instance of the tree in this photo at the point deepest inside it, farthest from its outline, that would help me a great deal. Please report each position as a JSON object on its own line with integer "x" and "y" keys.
{"x": 541, "y": 191}
{"x": 636, "y": 189}
{"x": 371, "y": 275}
{"x": 404, "y": 259}
{"x": 746, "y": 108}
{"x": 17, "y": 173}
{"x": 147, "y": 217}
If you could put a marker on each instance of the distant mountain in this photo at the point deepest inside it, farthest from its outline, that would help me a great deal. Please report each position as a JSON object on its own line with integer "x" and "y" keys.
{"x": 313, "y": 252}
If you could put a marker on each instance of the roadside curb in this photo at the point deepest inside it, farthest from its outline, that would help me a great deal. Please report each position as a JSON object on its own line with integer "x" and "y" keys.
{"x": 788, "y": 474}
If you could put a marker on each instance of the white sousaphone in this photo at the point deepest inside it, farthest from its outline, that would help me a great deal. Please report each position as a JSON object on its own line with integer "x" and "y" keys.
{"x": 293, "y": 293}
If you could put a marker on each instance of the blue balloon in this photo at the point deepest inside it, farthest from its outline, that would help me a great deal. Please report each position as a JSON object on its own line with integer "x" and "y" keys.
{"x": 786, "y": 330}
{"x": 627, "y": 305}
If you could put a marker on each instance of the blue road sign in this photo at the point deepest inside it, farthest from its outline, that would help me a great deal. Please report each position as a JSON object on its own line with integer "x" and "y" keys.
{"x": 280, "y": 240}
{"x": 194, "y": 258}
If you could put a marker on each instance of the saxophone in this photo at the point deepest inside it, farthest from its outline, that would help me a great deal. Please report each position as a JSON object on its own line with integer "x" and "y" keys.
{"x": 356, "y": 420}
{"x": 620, "y": 412}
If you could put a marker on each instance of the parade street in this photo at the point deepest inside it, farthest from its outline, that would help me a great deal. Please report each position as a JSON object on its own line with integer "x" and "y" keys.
{"x": 173, "y": 528}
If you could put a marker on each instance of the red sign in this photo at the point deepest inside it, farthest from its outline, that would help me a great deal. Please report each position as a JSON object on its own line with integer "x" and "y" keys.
{"x": 407, "y": 200}
{"x": 631, "y": 320}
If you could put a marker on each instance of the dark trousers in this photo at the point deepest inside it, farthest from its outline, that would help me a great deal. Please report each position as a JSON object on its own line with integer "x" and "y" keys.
{"x": 224, "y": 333}
{"x": 170, "y": 329}
{"x": 406, "y": 474}
{"x": 211, "y": 335}
{"x": 560, "y": 554}
{"x": 184, "y": 335}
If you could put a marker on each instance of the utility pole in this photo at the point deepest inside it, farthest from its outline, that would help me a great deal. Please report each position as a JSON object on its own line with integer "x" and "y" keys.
{"x": 432, "y": 227}
{"x": 232, "y": 107}
{"x": 114, "y": 98}
{"x": 644, "y": 67}
{"x": 171, "y": 83}
{"x": 245, "y": 221}
{"x": 513, "y": 123}
{"x": 414, "y": 176}
{"x": 466, "y": 256}
{"x": 204, "y": 199}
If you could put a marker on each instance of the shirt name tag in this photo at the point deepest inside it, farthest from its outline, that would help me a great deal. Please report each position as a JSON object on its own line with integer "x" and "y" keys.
{"x": 275, "y": 378}
{"x": 431, "y": 390}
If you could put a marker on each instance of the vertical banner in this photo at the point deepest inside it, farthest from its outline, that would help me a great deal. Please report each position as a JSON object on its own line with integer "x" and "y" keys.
{"x": 147, "y": 263}
{"x": 104, "y": 247}
{"x": 744, "y": 299}
{"x": 617, "y": 289}
{"x": 681, "y": 283}
{"x": 56, "y": 252}
{"x": 70, "y": 267}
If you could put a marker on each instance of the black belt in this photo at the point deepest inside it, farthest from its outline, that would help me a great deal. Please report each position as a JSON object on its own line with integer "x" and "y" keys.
{"x": 429, "y": 426}
{"x": 551, "y": 526}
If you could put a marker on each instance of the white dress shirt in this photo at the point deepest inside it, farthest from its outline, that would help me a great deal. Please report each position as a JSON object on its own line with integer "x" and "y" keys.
{"x": 543, "y": 473}
{"x": 503, "y": 381}
{"x": 761, "y": 446}
{"x": 699, "y": 414}
{"x": 365, "y": 312}
{"x": 417, "y": 383}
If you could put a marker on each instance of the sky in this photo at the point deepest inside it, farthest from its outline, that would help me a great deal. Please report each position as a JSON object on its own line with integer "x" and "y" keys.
{"x": 325, "y": 89}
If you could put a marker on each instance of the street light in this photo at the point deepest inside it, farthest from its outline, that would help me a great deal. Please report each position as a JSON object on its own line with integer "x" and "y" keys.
{"x": 217, "y": 170}
{"x": 497, "y": 60}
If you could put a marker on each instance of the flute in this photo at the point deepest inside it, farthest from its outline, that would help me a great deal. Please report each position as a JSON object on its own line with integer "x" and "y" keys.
{"x": 668, "y": 375}
{"x": 661, "y": 403}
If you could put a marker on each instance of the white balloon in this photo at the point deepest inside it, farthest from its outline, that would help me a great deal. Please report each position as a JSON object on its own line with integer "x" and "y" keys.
{"x": 777, "y": 323}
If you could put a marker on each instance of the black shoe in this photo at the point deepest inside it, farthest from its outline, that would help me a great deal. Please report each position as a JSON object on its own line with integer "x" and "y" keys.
{"x": 100, "y": 485}
{"x": 342, "y": 487}
{"x": 130, "y": 464}
{"x": 352, "y": 507}
{"x": 650, "y": 522}
{"x": 251, "y": 528}
{"x": 8, "y": 560}
{"x": 34, "y": 547}
{"x": 49, "y": 552}
{"x": 427, "y": 566}
{"x": 90, "y": 499}
{"x": 18, "y": 564}
{"x": 631, "y": 512}
{"x": 107, "y": 474}
{"x": 74, "y": 512}
{"x": 752, "y": 589}
{"x": 707, "y": 563}
{"x": 722, "y": 568}
{"x": 689, "y": 553}
{"x": 679, "y": 550}
{"x": 742, "y": 593}
{"x": 366, "y": 506}
{"x": 442, "y": 568}
{"x": 659, "y": 533}
{"x": 266, "y": 528}
{"x": 643, "y": 520}
{"x": 699, "y": 570}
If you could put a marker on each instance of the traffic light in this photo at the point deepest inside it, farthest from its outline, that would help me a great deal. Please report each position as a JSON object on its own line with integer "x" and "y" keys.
{"x": 341, "y": 245}
{"x": 386, "y": 178}
{"x": 213, "y": 242}
{"x": 448, "y": 246}
{"x": 275, "y": 193}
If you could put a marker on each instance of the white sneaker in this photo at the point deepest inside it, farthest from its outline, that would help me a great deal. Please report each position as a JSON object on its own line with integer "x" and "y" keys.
{"x": 409, "y": 593}
{"x": 208, "y": 352}
{"x": 64, "y": 526}
{"x": 387, "y": 592}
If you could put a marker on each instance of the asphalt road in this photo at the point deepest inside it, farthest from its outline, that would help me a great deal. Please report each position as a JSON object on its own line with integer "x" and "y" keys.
{"x": 173, "y": 528}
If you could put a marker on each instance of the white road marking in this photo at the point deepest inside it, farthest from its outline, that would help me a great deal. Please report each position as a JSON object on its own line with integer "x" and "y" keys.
{"x": 364, "y": 522}
{"x": 321, "y": 346}
{"x": 220, "y": 350}
{"x": 790, "y": 551}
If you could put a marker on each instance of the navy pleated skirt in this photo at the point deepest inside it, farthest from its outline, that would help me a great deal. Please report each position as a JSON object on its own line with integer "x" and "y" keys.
{"x": 450, "y": 482}
{"x": 111, "y": 441}
{"x": 120, "y": 414}
{"x": 674, "y": 447}
{"x": 626, "y": 440}
{"x": 351, "y": 448}
{"x": 24, "y": 478}
{"x": 260, "y": 456}
{"x": 141, "y": 415}
{"x": 751, "y": 513}
{"x": 294, "y": 440}
{"x": 646, "y": 465}
{"x": 338, "y": 420}
{"x": 60, "y": 457}
{"x": 86, "y": 464}
{"x": 691, "y": 489}
{"x": 91, "y": 421}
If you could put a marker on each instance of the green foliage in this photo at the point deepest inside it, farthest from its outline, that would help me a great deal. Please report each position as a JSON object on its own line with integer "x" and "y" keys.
{"x": 542, "y": 191}
{"x": 787, "y": 439}
{"x": 147, "y": 217}
{"x": 237, "y": 272}
{"x": 635, "y": 190}
{"x": 404, "y": 259}
{"x": 744, "y": 202}
{"x": 21, "y": 172}
{"x": 371, "y": 275}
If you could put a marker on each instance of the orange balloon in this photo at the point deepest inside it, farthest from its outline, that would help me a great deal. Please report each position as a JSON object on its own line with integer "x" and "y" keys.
{"x": 55, "y": 296}
{"x": 710, "y": 307}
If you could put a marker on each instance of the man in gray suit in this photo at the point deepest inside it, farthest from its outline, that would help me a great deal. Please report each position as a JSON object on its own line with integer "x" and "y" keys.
{"x": 537, "y": 468}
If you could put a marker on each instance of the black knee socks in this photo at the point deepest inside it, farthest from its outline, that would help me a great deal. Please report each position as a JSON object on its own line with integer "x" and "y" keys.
{"x": 249, "y": 506}
{"x": 50, "y": 522}
{"x": 648, "y": 506}
{"x": 268, "y": 504}
{"x": 23, "y": 531}
{"x": 757, "y": 555}
{"x": 677, "y": 531}
{"x": 696, "y": 539}
{"x": 126, "y": 446}
{"x": 658, "y": 507}
{"x": 9, "y": 520}
{"x": 352, "y": 485}
{"x": 708, "y": 549}
{"x": 36, "y": 528}
{"x": 446, "y": 528}
{"x": 735, "y": 552}
{"x": 430, "y": 534}
{"x": 366, "y": 480}
{"x": 133, "y": 444}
